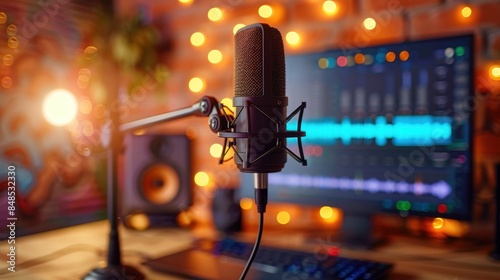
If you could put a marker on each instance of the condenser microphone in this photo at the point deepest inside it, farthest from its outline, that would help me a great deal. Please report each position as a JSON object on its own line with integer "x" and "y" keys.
{"x": 259, "y": 129}
{"x": 259, "y": 98}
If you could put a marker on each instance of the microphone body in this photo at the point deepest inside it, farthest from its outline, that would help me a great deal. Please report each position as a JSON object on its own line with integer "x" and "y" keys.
{"x": 260, "y": 99}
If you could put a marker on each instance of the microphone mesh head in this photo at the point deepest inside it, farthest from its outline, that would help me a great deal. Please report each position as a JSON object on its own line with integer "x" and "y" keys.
{"x": 251, "y": 60}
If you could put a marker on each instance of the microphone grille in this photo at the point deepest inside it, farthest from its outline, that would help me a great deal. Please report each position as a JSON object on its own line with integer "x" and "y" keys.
{"x": 259, "y": 56}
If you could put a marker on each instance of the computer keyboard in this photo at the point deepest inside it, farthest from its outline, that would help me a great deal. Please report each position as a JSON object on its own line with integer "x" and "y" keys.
{"x": 303, "y": 265}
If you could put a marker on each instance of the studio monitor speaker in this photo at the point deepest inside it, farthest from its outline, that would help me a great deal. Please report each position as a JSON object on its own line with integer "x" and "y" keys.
{"x": 157, "y": 177}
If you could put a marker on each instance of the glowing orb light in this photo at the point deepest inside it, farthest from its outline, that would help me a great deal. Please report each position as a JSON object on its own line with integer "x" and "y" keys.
{"x": 60, "y": 107}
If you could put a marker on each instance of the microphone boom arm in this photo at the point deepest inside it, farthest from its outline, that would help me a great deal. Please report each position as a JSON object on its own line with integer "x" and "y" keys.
{"x": 207, "y": 106}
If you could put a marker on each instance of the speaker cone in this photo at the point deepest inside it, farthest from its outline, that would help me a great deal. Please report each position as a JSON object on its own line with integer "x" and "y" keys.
{"x": 159, "y": 183}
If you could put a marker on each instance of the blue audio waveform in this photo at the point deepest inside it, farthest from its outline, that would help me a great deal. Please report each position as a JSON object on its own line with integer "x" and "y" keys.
{"x": 423, "y": 130}
{"x": 439, "y": 189}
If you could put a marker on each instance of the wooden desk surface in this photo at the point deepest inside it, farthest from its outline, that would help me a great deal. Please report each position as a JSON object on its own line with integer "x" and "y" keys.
{"x": 72, "y": 252}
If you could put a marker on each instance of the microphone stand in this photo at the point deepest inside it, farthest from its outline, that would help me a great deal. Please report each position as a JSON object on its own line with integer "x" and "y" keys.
{"x": 112, "y": 140}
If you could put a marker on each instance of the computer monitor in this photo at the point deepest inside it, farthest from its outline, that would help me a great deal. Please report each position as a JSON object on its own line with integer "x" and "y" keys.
{"x": 388, "y": 129}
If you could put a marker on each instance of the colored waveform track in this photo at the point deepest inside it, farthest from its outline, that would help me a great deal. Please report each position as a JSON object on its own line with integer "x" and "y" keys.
{"x": 424, "y": 130}
{"x": 440, "y": 189}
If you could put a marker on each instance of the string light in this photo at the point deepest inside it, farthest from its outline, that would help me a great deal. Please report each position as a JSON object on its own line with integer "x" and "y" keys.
{"x": 3, "y": 18}
{"x": 238, "y": 27}
{"x": 12, "y": 42}
{"x": 197, "y": 39}
{"x": 369, "y": 23}
{"x": 437, "y": 223}
{"x": 495, "y": 72}
{"x": 11, "y": 30}
{"x": 214, "y": 56}
{"x": 326, "y": 212}
{"x": 216, "y": 150}
{"x": 8, "y": 60}
{"x": 228, "y": 102}
{"x": 466, "y": 12}
{"x": 265, "y": 11}
{"x": 89, "y": 52}
{"x": 214, "y": 14}
{"x": 138, "y": 221}
{"x": 246, "y": 203}
{"x": 196, "y": 84}
{"x": 329, "y": 7}
{"x": 283, "y": 217}
{"x": 201, "y": 179}
{"x": 292, "y": 38}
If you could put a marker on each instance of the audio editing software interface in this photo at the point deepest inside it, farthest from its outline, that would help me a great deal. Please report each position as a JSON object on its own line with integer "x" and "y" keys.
{"x": 388, "y": 129}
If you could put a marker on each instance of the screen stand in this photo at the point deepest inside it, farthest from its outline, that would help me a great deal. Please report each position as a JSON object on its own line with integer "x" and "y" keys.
{"x": 357, "y": 232}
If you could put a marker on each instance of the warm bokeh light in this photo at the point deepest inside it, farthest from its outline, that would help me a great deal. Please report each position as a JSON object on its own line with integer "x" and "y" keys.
{"x": 228, "y": 102}
{"x": 196, "y": 84}
{"x": 292, "y": 38}
{"x": 6, "y": 82}
{"x": 216, "y": 150}
{"x": 214, "y": 56}
{"x": 437, "y": 223}
{"x": 246, "y": 203}
{"x": 197, "y": 39}
{"x": 390, "y": 57}
{"x": 283, "y": 217}
{"x": 185, "y": 1}
{"x": 185, "y": 219}
{"x": 11, "y": 30}
{"x": 329, "y": 7}
{"x": 265, "y": 11}
{"x": 8, "y": 59}
{"x": 404, "y": 55}
{"x": 326, "y": 212}
{"x": 495, "y": 72}
{"x": 359, "y": 58}
{"x": 466, "y": 12}
{"x": 201, "y": 179}
{"x": 138, "y": 221}
{"x": 12, "y": 42}
{"x": 87, "y": 128}
{"x": 214, "y": 14}
{"x": 3, "y": 18}
{"x": 60, "y": 107}
{"x": 369, "y": 23}
{"x": 89, "y": 52}
{"x": 238, "y": 27}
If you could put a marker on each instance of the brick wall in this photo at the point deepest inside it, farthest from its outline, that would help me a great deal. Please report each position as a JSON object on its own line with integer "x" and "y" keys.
{"x": 397, "y": 20}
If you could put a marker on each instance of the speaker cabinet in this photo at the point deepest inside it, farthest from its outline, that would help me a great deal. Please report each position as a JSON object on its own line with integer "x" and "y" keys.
{"x": 157, "y": 177}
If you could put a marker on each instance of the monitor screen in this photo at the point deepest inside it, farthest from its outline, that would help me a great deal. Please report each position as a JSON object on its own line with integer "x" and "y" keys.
{"x": 388, "y": 129}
